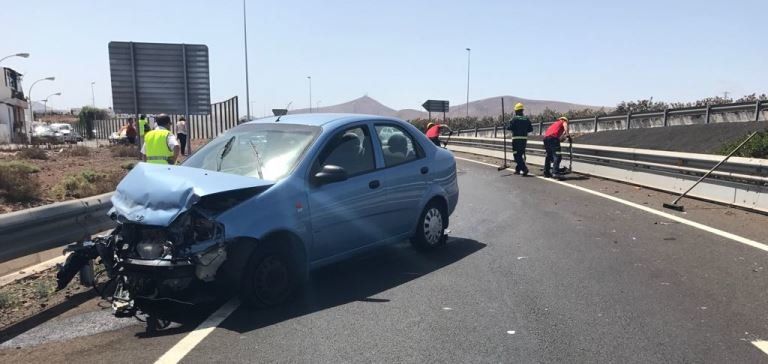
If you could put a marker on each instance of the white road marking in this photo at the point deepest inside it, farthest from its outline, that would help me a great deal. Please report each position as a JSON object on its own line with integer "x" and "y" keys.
{"x": 183, "y": 347}
{"x": 511, "y": 332}
{"x": 665, "y": 215}
{"x": 762, "y": 345}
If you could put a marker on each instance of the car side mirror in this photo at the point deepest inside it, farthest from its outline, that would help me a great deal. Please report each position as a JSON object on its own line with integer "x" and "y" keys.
{"x": 330, "y": 174}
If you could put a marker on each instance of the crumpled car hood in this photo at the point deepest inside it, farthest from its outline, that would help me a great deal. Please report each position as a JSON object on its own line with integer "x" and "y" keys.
{"x": 153, "y": 194}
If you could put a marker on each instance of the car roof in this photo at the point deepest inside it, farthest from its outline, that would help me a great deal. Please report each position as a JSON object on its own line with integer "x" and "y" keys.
{"x": 321, "y": 119}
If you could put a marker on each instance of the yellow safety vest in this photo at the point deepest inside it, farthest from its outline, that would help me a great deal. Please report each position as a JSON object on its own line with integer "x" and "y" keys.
{"x": 142, "y": 123}
{"x": 156, "y": 146}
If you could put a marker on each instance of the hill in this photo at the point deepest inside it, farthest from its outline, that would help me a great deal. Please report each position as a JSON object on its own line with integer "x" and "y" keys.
{"x": 478, "y": 108}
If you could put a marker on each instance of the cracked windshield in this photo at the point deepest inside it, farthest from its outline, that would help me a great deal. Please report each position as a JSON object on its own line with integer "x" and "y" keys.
{"x": 260, "y": 181}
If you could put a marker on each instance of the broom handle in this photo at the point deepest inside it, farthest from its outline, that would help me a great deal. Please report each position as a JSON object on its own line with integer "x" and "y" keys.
{"x": 715, "y": 167}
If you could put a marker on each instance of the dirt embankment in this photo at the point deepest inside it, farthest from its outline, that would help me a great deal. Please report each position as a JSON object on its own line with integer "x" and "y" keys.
{"x": 47, "y": 176}
{"x": 703, "y": 138}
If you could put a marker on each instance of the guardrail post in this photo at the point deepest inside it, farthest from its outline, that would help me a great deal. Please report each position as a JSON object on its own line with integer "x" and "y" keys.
{"x": 666, "y": 117}
{"x": 475, "y": 131}
{"x": 757, "y": 110}
{"x": 706, "y": 116}
{"x": 541, "y": 127}
{"x": 494, "y": 130}
{"x": 629, "y": 119}
{"x": 596, "y": 117}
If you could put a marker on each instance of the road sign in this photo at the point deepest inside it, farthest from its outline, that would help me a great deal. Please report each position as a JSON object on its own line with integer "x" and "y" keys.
{"x": 153, "y": 78}
{"x": 435, "y": 105}
{"x": 279, "y": 112}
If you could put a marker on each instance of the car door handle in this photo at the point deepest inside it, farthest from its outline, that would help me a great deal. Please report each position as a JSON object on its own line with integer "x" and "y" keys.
{"x": 424, "y": 170}
{"x": 374, "y": 184}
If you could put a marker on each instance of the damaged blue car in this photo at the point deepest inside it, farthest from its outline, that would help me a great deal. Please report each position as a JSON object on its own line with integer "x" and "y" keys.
{"x": 261, "y": 205}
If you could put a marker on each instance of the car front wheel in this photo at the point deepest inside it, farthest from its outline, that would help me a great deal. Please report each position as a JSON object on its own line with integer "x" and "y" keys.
{"x": 271, "y": 278}
{"x": 430, "y": 232}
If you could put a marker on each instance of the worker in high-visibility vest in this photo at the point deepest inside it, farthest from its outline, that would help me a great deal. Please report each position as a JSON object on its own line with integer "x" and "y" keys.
{"x": 160, "y": 145}
{"x": 520, "y": 126}
{"x": 143, "y": 126}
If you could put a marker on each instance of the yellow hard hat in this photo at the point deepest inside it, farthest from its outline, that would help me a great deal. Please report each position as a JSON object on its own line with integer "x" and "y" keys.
{"x": 519, "y": 106}
{"x": 563, "y": 118}
{"x": 430, "y": 125}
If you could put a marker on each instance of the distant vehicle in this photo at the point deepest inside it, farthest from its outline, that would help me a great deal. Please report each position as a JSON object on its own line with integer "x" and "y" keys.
{"x": 266, "y": 202}
{"x": 68, "y": 134}
{"x": 43, "y": 134}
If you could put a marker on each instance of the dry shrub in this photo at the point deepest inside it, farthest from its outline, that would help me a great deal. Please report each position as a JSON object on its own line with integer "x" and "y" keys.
{"x": 18, "y": 182}
{"x": 123, "y": 151}
{"x": 33, "y": 153}
{"x": 77, "y": 151}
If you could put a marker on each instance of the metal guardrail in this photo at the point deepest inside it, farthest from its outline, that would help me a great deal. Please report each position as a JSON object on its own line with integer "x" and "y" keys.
{"x": 741, "y": 181}
{"x": 623, "y": 122}
{"x": 41, "y": 228}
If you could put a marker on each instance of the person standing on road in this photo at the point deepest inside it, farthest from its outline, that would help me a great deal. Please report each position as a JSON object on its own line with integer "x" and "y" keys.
{"x": 181, "y": 134}
{"x": 160, "y": 145}
{"x": 520, "y": 126}
{"x": 433, "y": 132}
{"x": 556, "y": 132}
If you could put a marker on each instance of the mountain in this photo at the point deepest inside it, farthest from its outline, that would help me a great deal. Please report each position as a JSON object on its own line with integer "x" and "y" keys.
{"x": 479, "y": 108}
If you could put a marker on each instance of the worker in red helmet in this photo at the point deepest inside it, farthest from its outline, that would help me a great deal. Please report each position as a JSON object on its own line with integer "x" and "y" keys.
{"x": 556, "y": 133}
{"x": 433, "y": 132}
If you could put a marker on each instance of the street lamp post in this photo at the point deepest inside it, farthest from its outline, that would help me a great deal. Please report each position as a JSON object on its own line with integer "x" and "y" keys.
{"x": 31, "y": 112}
{"x": 469, "y": 53}
{"x": 310, "y": 93}
{"x": 93, "y": 95}
{"x": 247, "y": 88}
{"x": 22, "y": 55}
{"x": 45, "y": 102}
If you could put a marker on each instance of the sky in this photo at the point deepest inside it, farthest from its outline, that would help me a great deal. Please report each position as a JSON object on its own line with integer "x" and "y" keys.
{"x": 404, "y": 52}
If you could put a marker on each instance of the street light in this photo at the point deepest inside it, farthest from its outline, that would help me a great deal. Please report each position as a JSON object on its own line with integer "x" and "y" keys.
{"x": 45, "y": 102}
{"x": 469, "y": 53}
{"x": 22, "y": 55}
{"x": 247, "y": 89}
{"x": 31, "y": 112}
{"x": 310, "y": 93}
{"x": 93, "y": 95}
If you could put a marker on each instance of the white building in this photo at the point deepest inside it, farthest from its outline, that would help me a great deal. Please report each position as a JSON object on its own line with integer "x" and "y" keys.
{"x": 12, "y": 106}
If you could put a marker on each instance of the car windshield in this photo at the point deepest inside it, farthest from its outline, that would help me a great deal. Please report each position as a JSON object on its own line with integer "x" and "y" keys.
{"x": 264, "y": 151}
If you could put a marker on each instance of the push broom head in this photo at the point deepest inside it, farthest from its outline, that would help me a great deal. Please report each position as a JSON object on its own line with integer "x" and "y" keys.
{"x": 672, "y": 206}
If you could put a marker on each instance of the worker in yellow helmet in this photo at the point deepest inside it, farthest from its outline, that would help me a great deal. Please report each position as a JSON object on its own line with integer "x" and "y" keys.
{"x": 160, "y": 145}
{"x": 520, "y": 126}
{"x": 433, "y": 132}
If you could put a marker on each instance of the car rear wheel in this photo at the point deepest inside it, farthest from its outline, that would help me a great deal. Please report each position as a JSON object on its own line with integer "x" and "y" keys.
{"x": 430, "y": 232}
{"x": 271, "y": 278}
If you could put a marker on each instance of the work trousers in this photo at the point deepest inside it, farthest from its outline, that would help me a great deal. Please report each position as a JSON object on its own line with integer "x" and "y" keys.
{"x": 182, "y": 142}
{"x": 552, "y": 147}
{"x": 518, "y": 148}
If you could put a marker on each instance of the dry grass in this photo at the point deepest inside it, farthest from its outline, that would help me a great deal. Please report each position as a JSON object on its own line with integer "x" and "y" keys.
{"x": 86, "y": 183}
{"x": 123, "y": 151}
{"x": 77, "y": 151}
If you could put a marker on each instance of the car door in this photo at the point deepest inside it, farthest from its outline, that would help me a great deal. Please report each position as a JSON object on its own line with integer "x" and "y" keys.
{"x": 347, "y": 215}
{"x": 407, "y": 173}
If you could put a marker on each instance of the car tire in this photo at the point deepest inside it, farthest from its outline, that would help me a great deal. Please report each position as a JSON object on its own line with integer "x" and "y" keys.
{"x": 430, "y": 231}
{"x": 271, "y": 277}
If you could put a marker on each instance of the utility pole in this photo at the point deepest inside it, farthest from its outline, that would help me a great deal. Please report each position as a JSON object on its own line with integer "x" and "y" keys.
{"x": 469, "y": 53}
{"x": 310, "y": 93}
{"x": 245, "y": 46}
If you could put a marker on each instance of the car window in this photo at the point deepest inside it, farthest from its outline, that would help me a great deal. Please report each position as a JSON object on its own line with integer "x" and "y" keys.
{"x": 397, "y": 145}
{"x": 350, "y": 149}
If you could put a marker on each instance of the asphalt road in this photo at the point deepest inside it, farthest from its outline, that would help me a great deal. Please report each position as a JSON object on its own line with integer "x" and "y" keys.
{"x": 533, "y": 272}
